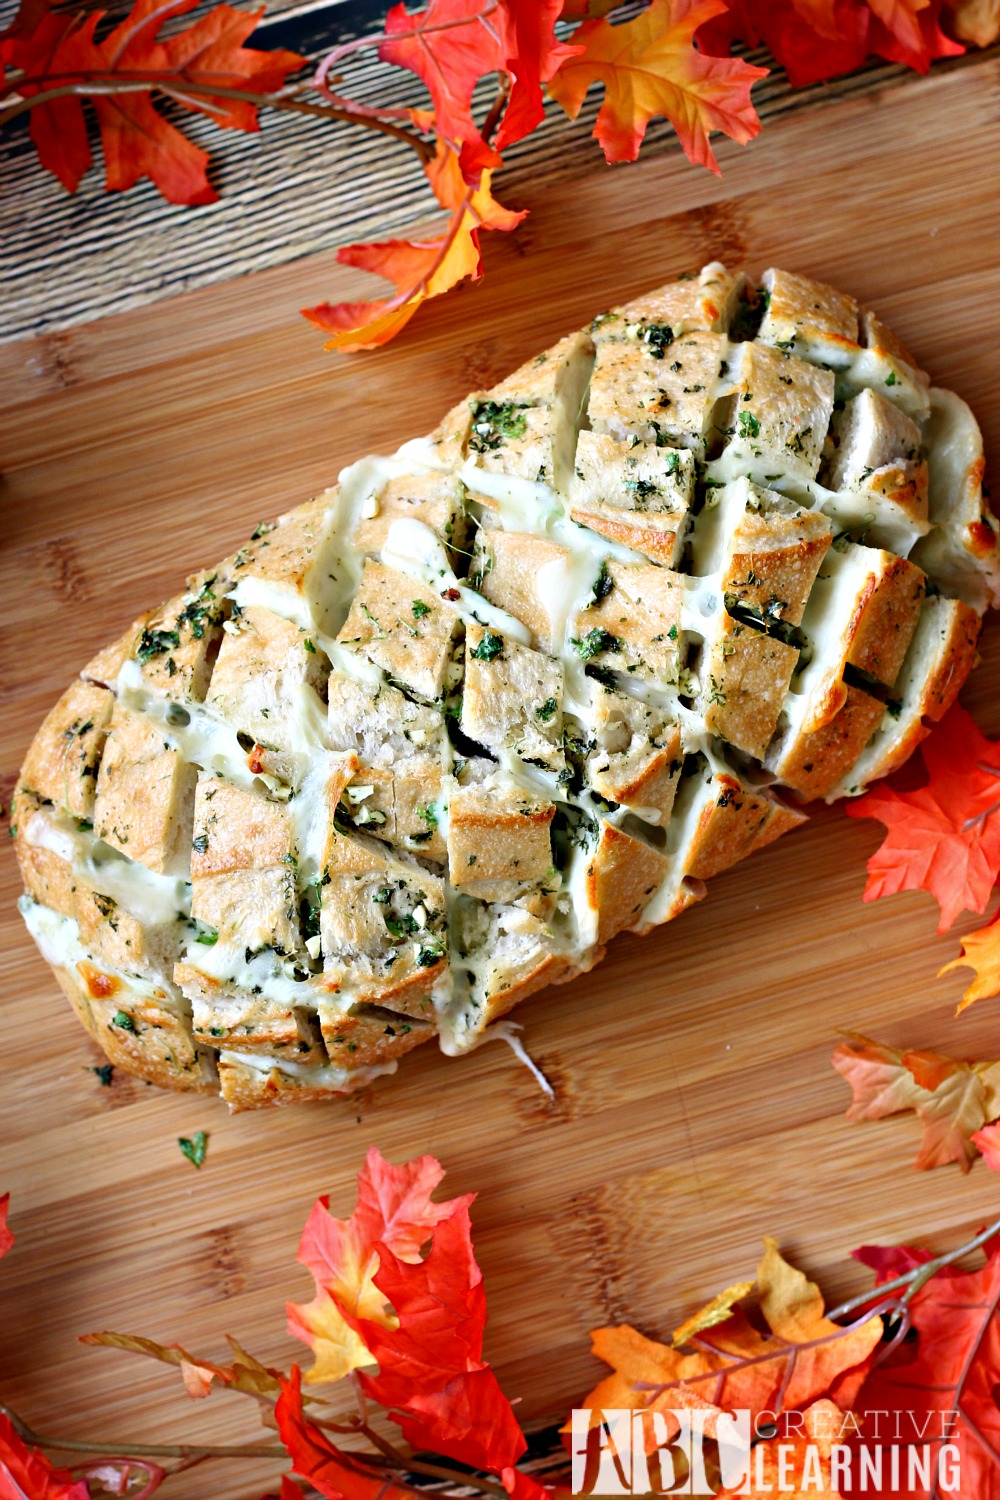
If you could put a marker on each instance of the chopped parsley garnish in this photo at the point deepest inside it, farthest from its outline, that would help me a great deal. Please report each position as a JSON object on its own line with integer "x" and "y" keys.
{"x": 489, "y": 648}
{"x": 123, "y": 1021}
{"x": 546, "y": 711}
{"x": 603, "y": 584}
{"x": 749, "y": 425}
{"x": 429, "y": 815}
{"x": 657, "y": 336}
{"x": 398, "y": 927}
{"x": 495, "y": 423}
{"x": 208, "y": 937}
{"x": 596, "y": 641}
{"x": 194, "y": 1147}
{"x": 309, "y": 646}
{"x": 200, "y": 613}
{"x": 382, "y": 896}
{"x": 420, "y": 609}
{"x": 104, "y": 1074}
{"x": 890, "y": 379}
{"x": 642, "y": 489}
{"x": 156, "y": 642}
{"x": 261, "y": 529}
{"x": 428, "y": 956}
{"x": 200, "y": 844}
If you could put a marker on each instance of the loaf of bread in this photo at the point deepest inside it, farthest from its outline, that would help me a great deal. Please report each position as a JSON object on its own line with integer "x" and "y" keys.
{"x": 426, "y": 744}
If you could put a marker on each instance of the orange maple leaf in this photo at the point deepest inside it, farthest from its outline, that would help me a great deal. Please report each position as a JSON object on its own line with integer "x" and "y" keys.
{"x": 728, "y": 1363}
{"x": 420, "y": 269}
{"x": 394, "y": 1209}
{"x": 943, "y": 837}
{"x": 650, "y": 66}
{"x": 980, "y": 952}
{"x": 952, "y": 1099}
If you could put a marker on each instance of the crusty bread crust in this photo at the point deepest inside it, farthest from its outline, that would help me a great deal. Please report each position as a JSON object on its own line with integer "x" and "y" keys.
{"x": 428, "y": 743}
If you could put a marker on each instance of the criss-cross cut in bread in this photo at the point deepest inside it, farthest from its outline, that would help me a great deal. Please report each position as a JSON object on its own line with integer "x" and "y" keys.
{"x": 426, "y": 744}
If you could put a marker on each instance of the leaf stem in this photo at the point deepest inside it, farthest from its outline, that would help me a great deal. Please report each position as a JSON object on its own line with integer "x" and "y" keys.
{"x": 141, "y": 1450}
{"x": 126, "y": 82}
{"x": 395, "y": 1459}
{"x": 913, "y": 1280}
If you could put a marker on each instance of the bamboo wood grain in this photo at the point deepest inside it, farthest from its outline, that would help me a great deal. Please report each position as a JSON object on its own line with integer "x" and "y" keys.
{"x": 695, "y": 1105}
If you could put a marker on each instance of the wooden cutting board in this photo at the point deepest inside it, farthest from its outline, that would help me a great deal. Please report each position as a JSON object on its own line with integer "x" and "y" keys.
{"x": 695, "y": 1105}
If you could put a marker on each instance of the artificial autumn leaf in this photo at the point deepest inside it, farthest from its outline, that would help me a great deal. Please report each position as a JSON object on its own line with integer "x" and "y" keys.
{"x": 245, "y": 1374}
{"x": 582, "y": 10}
{"x": 796, "y": 1463}
{"x": 394, "y": 1210}
{"x": 716, "y": 1311}
{"x": 335, "y": 1474}
{"x": 532, "y": 56}
{"x": 803, "y": 1357}
{"x": 793, "y": 1308}
{"x": 449, "y": 46}
{"x": 137, "y": 140}
{"x": 952, "y": 1099}
{"x": 980, "y": 952}
{"x": 521, "y": 1486}
{"x": 944, "y": 837}
{"x": 420, "y": 269}
{"x": 454, "y": 43}
{"x": 6, "y": 1236}
{"x": 975, "y": 21}
{"x": 432, "y": 1376}
{"x": 987, "y": 1141}
{"x": 650, "y": 66}
{"x": 26, "y": 1474}
{"x": 817, "y": 39}
{"x": 908, "y": 32}
{"x": 944, "y": 1381}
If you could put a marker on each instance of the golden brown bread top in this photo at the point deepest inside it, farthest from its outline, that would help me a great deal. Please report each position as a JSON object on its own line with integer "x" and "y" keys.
{"x": 426, "y": 744}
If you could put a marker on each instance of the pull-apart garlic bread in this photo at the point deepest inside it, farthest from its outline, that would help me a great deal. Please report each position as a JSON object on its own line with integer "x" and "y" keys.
{"x": 426, "y": 744}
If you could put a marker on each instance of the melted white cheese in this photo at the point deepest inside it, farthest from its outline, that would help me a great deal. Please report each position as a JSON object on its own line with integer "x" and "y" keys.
{"x": 146, "y": 895}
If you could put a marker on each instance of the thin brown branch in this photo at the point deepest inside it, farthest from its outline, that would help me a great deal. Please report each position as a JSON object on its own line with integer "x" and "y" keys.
{"x": 141, "y": 1450}
{"x": 127, "y": 82}
{"x": 395, "y": 1459}
{"x": 912, "y": 1281}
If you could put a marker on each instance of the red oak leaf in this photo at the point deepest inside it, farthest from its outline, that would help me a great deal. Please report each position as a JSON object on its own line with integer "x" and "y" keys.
{"x": 650, "y": 66}
{"x": 26, "y": 1475}
{"x": 450, "y": 46}
{"x": 337, "y": 1475}
{"x": 454, "y": 43}
{"x": 420, "y": 269}
{"x": 394, "y": 1212}
{"x": 6, "y": 1237}
{"x": 532, "y": 56}
{"x": 432, "y": 1376}
{"x": 59, "y": 44}
{"x": 945, "y": 836}
{"x": 907, "y": 31}
{"x": 137, "y": 140}
{"x": 988, "y": 1141}
{"x": 816, "y": 39}
{"x": 943, "y": 1383}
